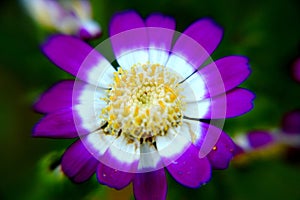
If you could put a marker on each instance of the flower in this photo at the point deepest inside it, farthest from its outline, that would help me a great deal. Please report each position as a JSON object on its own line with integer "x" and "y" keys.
{"x": 264, "y": 143}
{"x": 296, "y": 70}
{"x": 159, "y": 109}
{"x": 290, "y": 123}
{"x": 68, "y": 17}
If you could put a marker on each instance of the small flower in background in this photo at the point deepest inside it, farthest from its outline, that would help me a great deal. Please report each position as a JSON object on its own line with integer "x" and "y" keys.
{"x": 296, "y": 69}
{"x": 266, "y": 143}
{"x": 156, "y": 110}
{"x": 68, "y": 17}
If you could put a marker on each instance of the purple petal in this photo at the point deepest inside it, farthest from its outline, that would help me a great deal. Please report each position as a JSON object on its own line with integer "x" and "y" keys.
{"x": 57, "y": 97}
{"x": 79, "y": 59}
{"x": 125, "y": 21}
{"x": 198, "y": 41}
{"x": 129, "y": 39}
{"x": 259, "y": 139}
{"x": 239, "y": 102}
{"x": 63, "y": 95}
{"x": 150, "y": 185}
{"x": 77, "y": 163}
{"x": 228, "y": 72}
{"x": 89, "y": 30}
{"x": 291, "y": 122}
{"x": 231, "y": 104}
{"x": 68, "y": 123}
{"x": 59, "y": 124}
{"x": 66, "y": 94}
{"x": 222, "y": 152}
{"x": 216, "y": 78}
{"x": 159, "y": 20}
{"x": 206, "y": 137}
{"x": 86, "y": 34}
{"x": 160, "y": 32}
{"x": 189, "y": 169}
{"x": 296, "y": 70}
{"x": 112, "y": 177}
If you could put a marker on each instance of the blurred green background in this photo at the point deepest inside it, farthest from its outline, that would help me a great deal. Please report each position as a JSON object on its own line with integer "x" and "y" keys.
{"x": 268, "y": 32}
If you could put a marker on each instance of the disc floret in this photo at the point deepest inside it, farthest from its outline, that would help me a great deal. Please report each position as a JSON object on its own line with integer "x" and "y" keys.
{"x": 143, "y": 102}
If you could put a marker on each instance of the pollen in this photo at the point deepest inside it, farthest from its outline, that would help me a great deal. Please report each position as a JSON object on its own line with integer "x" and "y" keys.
{"x": 143, "y": 102}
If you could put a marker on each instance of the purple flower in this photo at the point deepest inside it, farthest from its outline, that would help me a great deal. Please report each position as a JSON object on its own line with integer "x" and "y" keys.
{"x": 255, "y": 140}
{"x": 68, "y": 17}
{"x": 291, "y": 123}
{"x": 270, "y": 142}
{"x": 296, "y": 69}
{"x": 158, "y": 110}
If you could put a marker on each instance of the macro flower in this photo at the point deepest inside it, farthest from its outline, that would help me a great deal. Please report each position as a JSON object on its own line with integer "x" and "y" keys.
{"x": 160, "y": 108}
{"x": 68, "y": 17}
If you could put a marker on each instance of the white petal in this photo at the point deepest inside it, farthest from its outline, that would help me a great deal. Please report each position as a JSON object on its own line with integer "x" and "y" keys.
{"x": 158, "y": 56}
{"x": 194, "y": 88}
{"x": 89, "y": 94}
{"x": 197, "y": 109}
{"x": 243, "y": 142}
{"x": 133, "y": 57}
{"x": 180, "y": 66}
{"x": 97, "y": 143}
{"x": 150, "y": 160}
{"x": 191, "y": 130}
{"x": 101, "y": 74}
{"x": 89, "y": 116}
{"x": 122, "y": 155}
{"x": 172, "y": 145}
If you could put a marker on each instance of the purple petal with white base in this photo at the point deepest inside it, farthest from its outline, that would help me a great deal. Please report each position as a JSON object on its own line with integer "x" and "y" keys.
{"x": 68, "y": 93}
{"x": 112, "y": 177}
{"x": 79, "y": 59}
{"x": 113, "y": 151}
{"x": 68, "y": 123}
{"x": 173, "y": 145}
{"x": 231, "y": 104}
{"x": 150, "y": 185}
{"x": 160, "y": 32}
{"x": 122, "y": 156}
{"x": 124, "y": 28}
{"x": 198, "y": 41}
{"x": 189, "y": 169}
{"x": 222, "y": 153}
{"x": 77, "y": 163}
{"x": 216, "y": 78}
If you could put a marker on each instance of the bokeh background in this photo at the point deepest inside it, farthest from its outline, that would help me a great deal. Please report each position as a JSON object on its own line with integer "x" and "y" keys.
{"x": 268, "y": 32}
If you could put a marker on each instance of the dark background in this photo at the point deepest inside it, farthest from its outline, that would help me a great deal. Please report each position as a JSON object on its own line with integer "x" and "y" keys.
{"x": 267, "y": 32}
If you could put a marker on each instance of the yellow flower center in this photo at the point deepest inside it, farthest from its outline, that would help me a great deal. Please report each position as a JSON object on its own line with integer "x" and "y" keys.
{"x": 144, "y": 102}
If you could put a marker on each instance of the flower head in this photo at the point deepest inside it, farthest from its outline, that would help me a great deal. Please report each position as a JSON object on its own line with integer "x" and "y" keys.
{"x": 158, "y": 109}
{"x": 69, "y": 17}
